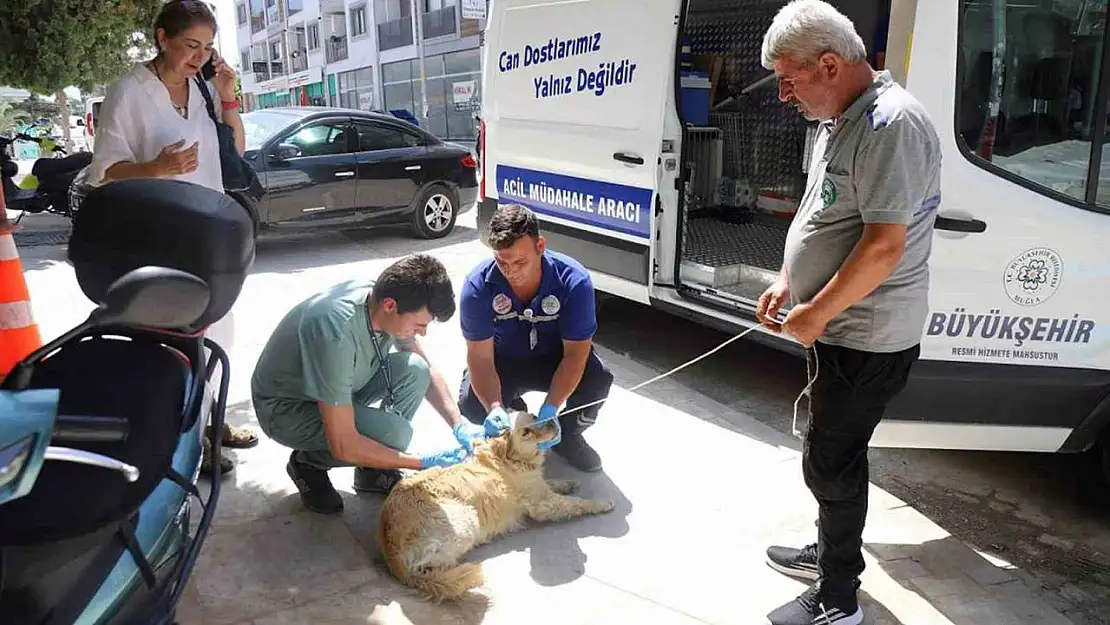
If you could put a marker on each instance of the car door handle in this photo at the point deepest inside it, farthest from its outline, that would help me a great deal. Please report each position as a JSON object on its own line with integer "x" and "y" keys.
{"x": 960, "y": 225}
{"x": 344, "y": 174}
{"x": 412, "y": 168}
{"x": 631, "y": 159}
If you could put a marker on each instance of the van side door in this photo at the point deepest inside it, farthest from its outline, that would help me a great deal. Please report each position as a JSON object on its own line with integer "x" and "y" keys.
{"x": 573, "y": 104}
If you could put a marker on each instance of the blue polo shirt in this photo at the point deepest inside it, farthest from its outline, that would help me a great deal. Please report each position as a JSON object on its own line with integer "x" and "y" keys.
{"x": 563, "y": 309}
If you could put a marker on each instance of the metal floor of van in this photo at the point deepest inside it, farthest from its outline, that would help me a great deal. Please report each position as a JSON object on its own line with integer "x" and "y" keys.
{"x": 737, "y": 258}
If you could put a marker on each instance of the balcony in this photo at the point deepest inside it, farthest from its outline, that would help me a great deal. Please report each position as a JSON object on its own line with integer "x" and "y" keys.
{"x": 258, "y": 22}
{"x": 335, "y": 49}
{"x": 439, "y": 23}
{"x": 395, "y": 34}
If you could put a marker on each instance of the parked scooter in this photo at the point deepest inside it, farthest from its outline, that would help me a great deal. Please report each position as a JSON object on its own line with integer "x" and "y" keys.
{"x": 46, "y": 189}
{"x": 101, "y": 430}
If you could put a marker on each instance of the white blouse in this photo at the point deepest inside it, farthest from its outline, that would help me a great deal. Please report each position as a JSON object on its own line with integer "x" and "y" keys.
{"x": 137, "y": 120}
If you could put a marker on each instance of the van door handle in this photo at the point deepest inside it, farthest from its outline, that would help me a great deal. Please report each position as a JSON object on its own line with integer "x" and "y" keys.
{"x": 412, "y": 168}
{"x": 631, "y": 159}
{"x": 960, "y": 225}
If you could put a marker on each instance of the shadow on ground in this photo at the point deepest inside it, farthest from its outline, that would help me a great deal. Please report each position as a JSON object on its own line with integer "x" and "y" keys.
{"x": 1048, "y": 514}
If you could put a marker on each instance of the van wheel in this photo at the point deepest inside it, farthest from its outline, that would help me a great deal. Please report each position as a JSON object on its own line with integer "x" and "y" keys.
{"x": 435, "y": 213}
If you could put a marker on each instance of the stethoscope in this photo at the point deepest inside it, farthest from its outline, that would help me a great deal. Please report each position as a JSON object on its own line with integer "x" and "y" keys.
{"x": 384, "y": 368}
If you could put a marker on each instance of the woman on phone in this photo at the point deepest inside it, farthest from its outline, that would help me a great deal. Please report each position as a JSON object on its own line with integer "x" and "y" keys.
{"x": 154, "y": 123}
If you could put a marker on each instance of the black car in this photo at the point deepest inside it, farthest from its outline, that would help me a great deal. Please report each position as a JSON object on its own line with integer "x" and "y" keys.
{"x": 322, "y": 167}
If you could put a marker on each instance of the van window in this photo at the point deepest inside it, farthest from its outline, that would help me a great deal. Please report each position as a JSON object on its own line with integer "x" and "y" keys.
{"x": 1035, "y": 119}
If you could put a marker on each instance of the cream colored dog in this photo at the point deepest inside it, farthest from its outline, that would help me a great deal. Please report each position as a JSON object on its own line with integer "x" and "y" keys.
{"x": 433, "y": 518}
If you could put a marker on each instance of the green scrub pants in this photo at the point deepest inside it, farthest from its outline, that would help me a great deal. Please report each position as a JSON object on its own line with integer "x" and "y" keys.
{"x": 297, "y": 424}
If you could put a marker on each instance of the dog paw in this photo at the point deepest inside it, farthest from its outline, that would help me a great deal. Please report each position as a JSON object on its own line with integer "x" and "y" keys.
{"x": 599, "y": 506}
{"x": 563, "y": 487}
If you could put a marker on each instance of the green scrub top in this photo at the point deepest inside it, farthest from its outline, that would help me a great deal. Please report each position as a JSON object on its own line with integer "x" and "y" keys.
{"x": 322, "y": 350}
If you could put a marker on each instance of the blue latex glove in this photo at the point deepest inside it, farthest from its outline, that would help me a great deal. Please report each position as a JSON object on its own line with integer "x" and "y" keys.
{"x": 443, "y": 458}
{"x": 466, "y": 432}
{"x": 546, "y": 445}
{"x": 496, "y": 421}
{"x": 547, "y": 413}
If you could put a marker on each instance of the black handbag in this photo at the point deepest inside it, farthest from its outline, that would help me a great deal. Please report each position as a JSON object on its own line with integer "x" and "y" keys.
{"x": 239, "y": 175}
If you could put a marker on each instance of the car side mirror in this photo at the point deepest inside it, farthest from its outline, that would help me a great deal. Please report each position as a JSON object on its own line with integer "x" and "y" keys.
{"x": 285, "y": 151}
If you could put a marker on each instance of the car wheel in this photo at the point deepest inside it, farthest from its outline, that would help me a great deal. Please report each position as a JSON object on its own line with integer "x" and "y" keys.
{"x": 435, "y": 213}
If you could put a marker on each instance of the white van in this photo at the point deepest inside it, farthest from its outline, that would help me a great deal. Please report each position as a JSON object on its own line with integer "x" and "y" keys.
{"x": 595, "y": 115}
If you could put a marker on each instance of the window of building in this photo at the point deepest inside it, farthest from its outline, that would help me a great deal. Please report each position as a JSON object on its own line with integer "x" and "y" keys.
{"x": 245, "y": 59}
{"x": 358, "y": 20}
{"x": 356, "y": 89}
{"x": 313, "y": 36}
{"x": 240, "y": 14}
{"x": 453, "y": 83}
{"x": 1035, "y": 116}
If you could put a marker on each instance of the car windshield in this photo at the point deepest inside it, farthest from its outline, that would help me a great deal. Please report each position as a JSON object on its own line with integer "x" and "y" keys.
{"x": 259, "y": 126}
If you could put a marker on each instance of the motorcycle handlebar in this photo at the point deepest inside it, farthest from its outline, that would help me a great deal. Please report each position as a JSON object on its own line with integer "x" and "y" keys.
{"x": 87, "y": 429}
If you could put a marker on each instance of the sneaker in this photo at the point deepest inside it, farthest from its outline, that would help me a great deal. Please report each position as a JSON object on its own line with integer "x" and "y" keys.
{"x": 578, "y": 453}
{"x": 316, "y": 490}
{"x": 379, "y": 481}
{"x": 799, "y": 563}
{"x": 820, "y": 605}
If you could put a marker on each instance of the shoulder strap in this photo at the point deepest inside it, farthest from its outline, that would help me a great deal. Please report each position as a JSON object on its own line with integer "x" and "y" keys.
{"x": 207, "y": 100}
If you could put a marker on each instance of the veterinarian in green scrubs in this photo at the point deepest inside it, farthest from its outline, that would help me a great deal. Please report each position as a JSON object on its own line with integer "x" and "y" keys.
{"x": 322, "y": 370}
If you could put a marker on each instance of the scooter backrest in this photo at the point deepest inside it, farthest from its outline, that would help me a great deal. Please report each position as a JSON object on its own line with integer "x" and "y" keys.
{"x": 173, "y": 224}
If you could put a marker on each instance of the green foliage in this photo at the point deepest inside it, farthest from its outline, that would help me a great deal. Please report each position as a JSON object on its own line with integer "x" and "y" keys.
{"x": 47, "y": 45}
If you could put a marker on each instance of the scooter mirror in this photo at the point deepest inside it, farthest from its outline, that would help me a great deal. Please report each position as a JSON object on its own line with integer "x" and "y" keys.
{"x": 153, "y": 297}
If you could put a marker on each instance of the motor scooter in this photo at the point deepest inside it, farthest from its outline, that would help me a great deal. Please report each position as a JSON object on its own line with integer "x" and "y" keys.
{"x": 46, "y": 189}
{"x": 101, "y": 430}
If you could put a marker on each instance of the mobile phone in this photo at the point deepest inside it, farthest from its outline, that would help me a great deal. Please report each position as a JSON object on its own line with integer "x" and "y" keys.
{"x": 208, "y": 70}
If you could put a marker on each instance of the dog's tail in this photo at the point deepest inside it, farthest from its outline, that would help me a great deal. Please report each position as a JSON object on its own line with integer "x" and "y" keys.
{"x": 446, "y": 582}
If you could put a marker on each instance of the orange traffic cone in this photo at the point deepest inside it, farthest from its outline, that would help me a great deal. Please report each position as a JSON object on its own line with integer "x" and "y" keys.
{"x": 19, "y": 334}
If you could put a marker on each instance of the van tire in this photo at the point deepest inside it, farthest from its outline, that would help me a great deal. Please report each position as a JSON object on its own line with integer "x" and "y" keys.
{"x": 435, "y": 212}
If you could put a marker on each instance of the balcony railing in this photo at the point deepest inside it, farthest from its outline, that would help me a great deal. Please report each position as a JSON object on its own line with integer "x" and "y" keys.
{"x": 395, "y": 34}
{"x": 439, "y": 23}
{"x": 336, "y": 49}
{"x": 258, "y": 22}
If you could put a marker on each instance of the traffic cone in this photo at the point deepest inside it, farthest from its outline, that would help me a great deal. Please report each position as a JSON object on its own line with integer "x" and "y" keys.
{"x": 19, "y": 334}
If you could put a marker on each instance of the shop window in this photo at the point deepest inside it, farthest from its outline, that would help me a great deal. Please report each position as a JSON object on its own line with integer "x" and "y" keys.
{"x": 356, "y": 89}
{"x": 397, "y": 72}
{"x": 1033, "y": 116}
{"x": 463, "y": 62}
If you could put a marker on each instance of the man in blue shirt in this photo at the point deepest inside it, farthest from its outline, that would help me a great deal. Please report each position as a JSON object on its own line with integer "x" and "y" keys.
{"x": 528, "y": 317}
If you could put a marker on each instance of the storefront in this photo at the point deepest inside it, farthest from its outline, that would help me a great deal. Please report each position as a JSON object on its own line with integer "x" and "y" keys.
{"x": 356, "y": 89}
{"x": 453, "y": 82}
{"x": 307, "y": 88}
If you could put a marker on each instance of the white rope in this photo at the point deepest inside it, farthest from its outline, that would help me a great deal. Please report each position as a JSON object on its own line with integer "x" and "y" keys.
{"x": 805, "y": 392}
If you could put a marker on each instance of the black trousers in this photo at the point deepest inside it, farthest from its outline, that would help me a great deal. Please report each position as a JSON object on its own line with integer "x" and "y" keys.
{"x": 521, "y": 375}
{"x": 847, "y": 402}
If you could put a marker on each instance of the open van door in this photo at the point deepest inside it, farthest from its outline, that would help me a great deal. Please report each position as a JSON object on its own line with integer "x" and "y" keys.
{"x": 573, "y": 109}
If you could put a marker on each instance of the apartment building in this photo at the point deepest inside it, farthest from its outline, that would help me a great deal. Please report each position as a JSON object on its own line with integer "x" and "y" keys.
{"x": 361, "y": 54}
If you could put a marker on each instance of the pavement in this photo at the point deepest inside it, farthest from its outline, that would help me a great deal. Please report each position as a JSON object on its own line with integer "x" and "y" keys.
{"x": 700, "y": 489}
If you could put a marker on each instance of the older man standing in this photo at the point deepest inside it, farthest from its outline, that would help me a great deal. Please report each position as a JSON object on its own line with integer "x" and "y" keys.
{"x": 855, "y": 271}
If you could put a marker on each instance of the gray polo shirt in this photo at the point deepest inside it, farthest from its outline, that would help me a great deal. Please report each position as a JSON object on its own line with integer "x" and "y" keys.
{"x": 877, "y": 163}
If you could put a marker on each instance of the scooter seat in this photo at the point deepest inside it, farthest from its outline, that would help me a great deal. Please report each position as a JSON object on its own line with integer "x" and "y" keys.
{"x": 55, "y": 166}
{"x": 61, "y": 541}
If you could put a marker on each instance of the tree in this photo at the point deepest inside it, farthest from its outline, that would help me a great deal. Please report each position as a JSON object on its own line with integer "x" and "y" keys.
{"x": 48, "y": 45}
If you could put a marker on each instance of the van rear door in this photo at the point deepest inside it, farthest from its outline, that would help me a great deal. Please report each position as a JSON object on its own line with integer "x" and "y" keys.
{"x": 573, "y": 104}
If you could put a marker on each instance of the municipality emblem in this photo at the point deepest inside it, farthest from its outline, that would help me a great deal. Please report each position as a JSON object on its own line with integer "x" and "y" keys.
{"x": 828, "y": 193}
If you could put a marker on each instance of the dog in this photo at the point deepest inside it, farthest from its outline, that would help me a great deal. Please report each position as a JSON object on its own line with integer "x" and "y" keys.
{"x": 431, "y": 519}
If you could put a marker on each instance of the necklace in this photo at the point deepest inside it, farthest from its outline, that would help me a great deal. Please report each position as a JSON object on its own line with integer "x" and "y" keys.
{"x": 182, "y": 110}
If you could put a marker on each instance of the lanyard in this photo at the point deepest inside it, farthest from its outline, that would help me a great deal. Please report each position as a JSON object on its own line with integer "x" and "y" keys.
{"x": 383, "y": 364}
